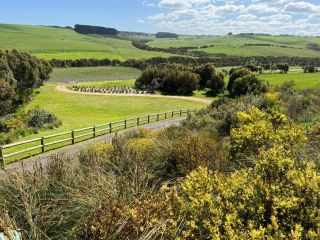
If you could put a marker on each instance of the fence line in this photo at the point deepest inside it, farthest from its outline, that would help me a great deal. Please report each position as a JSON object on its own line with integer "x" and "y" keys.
{"x": 90, "y": 132}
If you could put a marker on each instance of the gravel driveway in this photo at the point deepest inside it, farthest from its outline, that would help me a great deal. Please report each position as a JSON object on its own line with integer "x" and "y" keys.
{"x": 73, "y": 150}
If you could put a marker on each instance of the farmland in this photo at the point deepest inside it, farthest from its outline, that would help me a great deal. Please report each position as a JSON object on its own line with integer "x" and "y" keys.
{"x": 93, "y": 73}
{"x": 78, "y": 110}
{"x": 132, "y": 130}
{"x": 302, "y": 80}
{"x": 245, "y": 45}
{"x": 48, "y": 43}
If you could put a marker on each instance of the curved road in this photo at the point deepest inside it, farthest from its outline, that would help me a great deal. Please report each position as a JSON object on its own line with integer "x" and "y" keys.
{"x": 63, "y": 88}
{"x": 73, "y": 150}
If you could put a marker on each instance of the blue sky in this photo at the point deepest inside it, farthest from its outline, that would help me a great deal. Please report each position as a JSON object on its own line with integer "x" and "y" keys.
{"x": 181, "y": 16}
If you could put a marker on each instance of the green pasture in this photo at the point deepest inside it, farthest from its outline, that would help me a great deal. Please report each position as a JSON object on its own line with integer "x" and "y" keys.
{"x": 234, "y": 45}
{"x": 302, "y": 80}
{"x": 108, "y": 83}
{"x": 48, "y": 43}
{"x": 79, "y": 110}
{"x": 81, "y": 74}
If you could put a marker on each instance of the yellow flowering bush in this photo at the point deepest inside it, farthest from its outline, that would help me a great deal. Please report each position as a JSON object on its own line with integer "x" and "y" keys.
{"x": 278, "y": 199}
{"x": 257, "y": 129}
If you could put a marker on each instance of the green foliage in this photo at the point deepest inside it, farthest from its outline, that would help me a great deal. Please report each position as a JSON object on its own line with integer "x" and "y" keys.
{"x": 20, "y": 75}
{"x": 309, "y": 69}
{"x": 38, "y": 118}
{"x": 206, "y": 72}
{"x": 283, "y": 67}
{"x": 20, "y": 125}
{"x": 235, "y": 74}
{"x": 179, "y": 82}
{"x": 169, "y": 79}
{"x": 216, "y": 84}
{"x": 8, "y": 97}
{"x": 248, "y": 84}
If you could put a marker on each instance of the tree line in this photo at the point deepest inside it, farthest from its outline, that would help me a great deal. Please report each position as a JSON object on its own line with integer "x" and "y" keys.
{"x": 223, "y": 61}
{"x": 184, "y": 80}
{"x": 166, "y": 35}
{"x": 88, "y": 29}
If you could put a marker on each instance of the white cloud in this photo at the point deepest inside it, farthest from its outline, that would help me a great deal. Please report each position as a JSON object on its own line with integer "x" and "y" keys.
{"x": 261, "y": 8}
{"x": 277, "y": 17}
{"x": 223, "y": 16}
{"x": 181, "y": 3}
{"x": 148, "y": 4}
{"x": 301, "y": 7}
{"x": 270, "y": 1}
{"x": 247, "y": 17}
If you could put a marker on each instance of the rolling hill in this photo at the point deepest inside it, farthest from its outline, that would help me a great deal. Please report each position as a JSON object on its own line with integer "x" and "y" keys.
{"x": 60, "y": 43}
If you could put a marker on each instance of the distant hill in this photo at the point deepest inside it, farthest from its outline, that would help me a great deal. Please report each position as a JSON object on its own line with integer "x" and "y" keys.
{"x": 65, "y": 43}
{"x": 62, "y": 43}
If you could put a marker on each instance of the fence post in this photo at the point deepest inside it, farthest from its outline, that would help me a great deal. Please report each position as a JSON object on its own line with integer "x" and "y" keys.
{"x": 188, "y": 112}
{"x": 72, "y": 137}
{"x": 158, "y": 117}
{"x": 110, "y": 127}
{"x": 165, "y": 116}
{"x": 180, "y": 112}
{"x": 1, "y": 157}
{"x": 125, "y": 124}
{"x": 94, "y": 131}
{"x": 42, "y": 144}
{"x": 172, "y": 113}
{"x": 138, "y": 121}
{"x": 148, "y": 118}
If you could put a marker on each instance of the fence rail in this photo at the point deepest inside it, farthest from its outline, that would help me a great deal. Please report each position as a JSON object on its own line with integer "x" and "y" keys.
{"x": 83, "y": 134}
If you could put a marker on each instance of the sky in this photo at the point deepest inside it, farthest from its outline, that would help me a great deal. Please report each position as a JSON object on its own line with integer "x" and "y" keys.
{"x": 201, "y": 17}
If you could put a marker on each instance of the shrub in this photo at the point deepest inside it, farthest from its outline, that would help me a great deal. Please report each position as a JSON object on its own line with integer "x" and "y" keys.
{"x": 179, "y": 82}
{"x": 8, "y": 97}
{"x": 38, "y": 118}
{"x": 256, "y": 130}
{"x": 309, "y": 69}
{"x": 206, "y": 73}
{"x": 277, "y": 199}
{"x": 235, "y": 74}
{"x": 185, "y": 151}
{"x": 170, "y": 79}
{"x": 20, "y": 74}
{"x": 248, "y": 84}
{"x": 216, "y": 84}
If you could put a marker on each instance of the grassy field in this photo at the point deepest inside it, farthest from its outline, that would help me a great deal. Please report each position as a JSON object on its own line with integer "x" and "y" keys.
{"x": 48, "y": 43}
{"x": 235, "y": 45}
{"x": 109, "y": 83}
{"x": 79, "y": 110}
{"x": 302, "y": 80}
{"x": 93, "y": 73}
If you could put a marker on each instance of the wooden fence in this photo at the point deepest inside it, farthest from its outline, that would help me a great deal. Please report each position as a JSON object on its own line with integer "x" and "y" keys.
{"x": 43, "y": 144}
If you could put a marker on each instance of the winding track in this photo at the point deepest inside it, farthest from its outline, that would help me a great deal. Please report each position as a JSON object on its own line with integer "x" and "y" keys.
{"x": 63, "y": 88}
{"x": 73, "y": 150}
